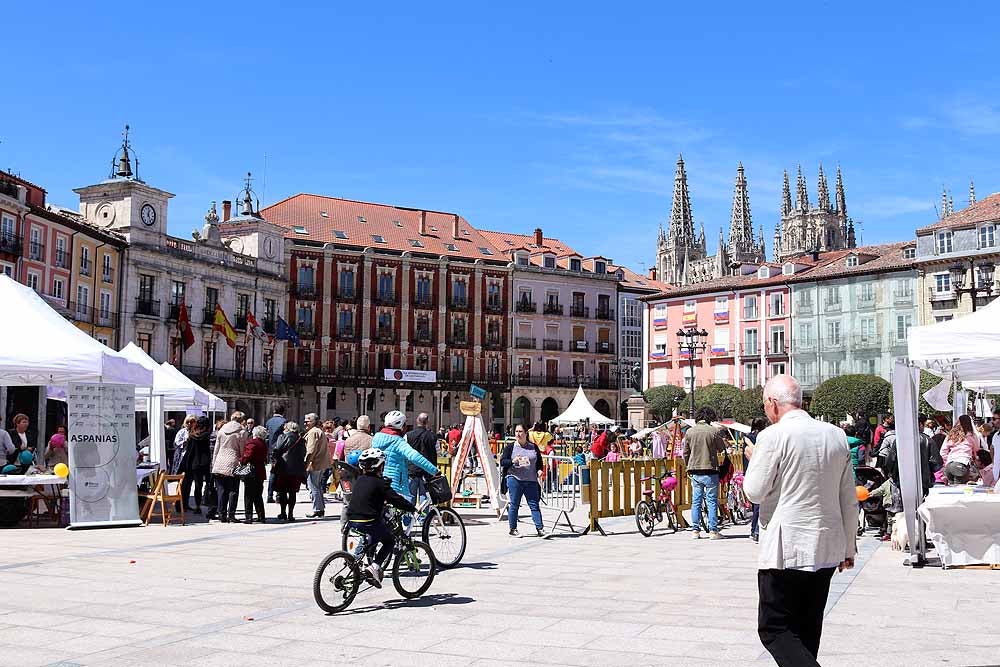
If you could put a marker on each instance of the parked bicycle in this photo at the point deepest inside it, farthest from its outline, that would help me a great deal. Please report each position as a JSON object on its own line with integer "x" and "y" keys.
{"x": 341, "y": 575}
{"x": 737, "y": 505}
{"x": 649, "y": 512}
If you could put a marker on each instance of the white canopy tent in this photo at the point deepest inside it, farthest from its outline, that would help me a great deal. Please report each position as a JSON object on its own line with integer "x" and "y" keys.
{"x": 177, "y": 394}
{"x": 581, "y": 410}
{"x": 44, "y": 348}
{"x": 214, "y": 404}
{"x": 967, "y": 348}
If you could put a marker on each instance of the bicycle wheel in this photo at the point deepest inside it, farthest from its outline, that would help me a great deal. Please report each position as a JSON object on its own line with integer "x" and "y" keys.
{"x": 736, "y": 509}
{"x": 336, "y": 582}
{"x": 644, "y": 518}
{"x": 671, "y": 513}
{"x": 413, "y": 569}
{"x": 444, "y": 531}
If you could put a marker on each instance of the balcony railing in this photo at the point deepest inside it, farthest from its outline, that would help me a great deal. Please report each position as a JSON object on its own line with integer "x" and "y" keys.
{"x": 12, "y": 244}
{"x": 777, "y": 350}
{"x": 346, "y": 333}
{"x": 526, "y": 307}
{"x": 422, "y": 337}
{"x": 573, "y": 381}
{"x": 935, "y": 294}
{"x": 494, "y": 306}
{"x": 8, "y": 188}
{"x": 208, "y": 315}
{"x": 79, "y": 312}
{"x": 36, "y": 252}
{"x": 804, "y": 307}
{"x": 605, "y": 314}
{"x": 425, "y": 301}
{"x": 305, "y": 329}
{"x": 306, "y": 292}
{"x": 833, "y": 342}
{"x": 604, "y": 347}
{"x": 458, "y": 303}
{"x": 867, "y": 342}
{"x": 107, "y": 274}
{"x": 776, "y": 312}
{"x": 495, "y": 343}
{"x": 750, "y": 314}
{"x": 552, "y": 308}
{"x": 899, "y": 296}
{"x": 866, "y": 300}
{"x": 85, "y": 265}
{"x": 347, "y": 294}
{"x": 385, "y": 298}
{"x": 310, "y": 375}
{"x": 720, "y": 351}
{"x": 458, "y": 340}
{"x": 385, "y": 335}
{"x": 552, "y": 344}
{"x": 579, "y": 311}
{"x": 804, "y": 345}
{"x": 523, "y": 343}
{"x": 833, "y": 305}
{"x": 147, "y": 307}
{"x": 750, "y": 350}
{"x": 241, "y": 321}
{"x": 174, "y": 310}
{"x": 579, "y": 346}
{"x": 62, "y": 259}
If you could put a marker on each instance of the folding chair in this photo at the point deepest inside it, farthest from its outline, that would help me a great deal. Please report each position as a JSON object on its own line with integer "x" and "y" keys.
{"x": 166, "y": 492}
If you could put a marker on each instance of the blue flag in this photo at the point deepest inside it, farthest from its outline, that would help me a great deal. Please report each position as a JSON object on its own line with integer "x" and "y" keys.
{"x": 283, "y": 331}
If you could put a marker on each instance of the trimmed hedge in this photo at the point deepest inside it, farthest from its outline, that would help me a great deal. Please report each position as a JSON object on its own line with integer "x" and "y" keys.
{"x": 661, "y": 401}
{"x": 851, "y": 395}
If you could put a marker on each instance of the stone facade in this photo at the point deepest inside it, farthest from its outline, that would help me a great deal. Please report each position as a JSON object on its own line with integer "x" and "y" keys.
{"x": 805, "y": 228}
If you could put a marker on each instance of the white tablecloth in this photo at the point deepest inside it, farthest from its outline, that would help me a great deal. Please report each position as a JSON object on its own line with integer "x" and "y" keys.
{"x": 30, "y": 480}
{"x": 965, "y": 527}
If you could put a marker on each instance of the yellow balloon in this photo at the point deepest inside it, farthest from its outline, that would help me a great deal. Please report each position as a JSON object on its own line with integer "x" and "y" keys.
{"x": 62, "y": 470}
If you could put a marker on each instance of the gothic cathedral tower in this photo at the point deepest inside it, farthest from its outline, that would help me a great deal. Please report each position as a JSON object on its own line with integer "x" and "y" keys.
{"x": 805, "y": 228}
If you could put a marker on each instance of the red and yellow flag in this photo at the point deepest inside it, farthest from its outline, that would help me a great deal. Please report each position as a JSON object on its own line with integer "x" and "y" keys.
{"x": 222, "y": 325}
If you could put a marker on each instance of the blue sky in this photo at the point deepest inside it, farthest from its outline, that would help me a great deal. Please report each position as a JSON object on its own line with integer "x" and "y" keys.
{"x": 565, "y": 116}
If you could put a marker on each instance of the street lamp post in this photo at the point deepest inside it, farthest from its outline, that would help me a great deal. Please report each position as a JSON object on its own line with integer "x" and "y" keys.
{"x": 692, "y": 341}
{"x": 984, "y": 287}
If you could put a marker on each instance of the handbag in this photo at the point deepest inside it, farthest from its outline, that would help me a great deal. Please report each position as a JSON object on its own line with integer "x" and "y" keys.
{"x": 439, "y": 490}
{"x": 245, "y": 471}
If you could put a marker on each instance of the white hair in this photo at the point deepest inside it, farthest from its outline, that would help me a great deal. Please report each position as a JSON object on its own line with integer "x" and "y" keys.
{"x": 784, "y": 389}
{"x": 237, "y": 416}
{"x": 259, "y": 432}
{"x": 291, "y": 426}
{"x": 312, "y": 417}
{"x": 364, "y": 423}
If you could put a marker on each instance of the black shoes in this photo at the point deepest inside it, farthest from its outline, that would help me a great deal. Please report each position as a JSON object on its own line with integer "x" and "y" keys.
{"x": 316, "y": 515}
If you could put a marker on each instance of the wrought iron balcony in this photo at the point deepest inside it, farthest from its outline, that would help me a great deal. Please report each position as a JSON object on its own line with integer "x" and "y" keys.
{"x": 36, "y": 252}
{"x": 174, "y": 310}
{"x": 552, "y": 308}
{"x": 422, "y": 337}
{"x": 12, "y": 244}
{"x": 750, "y": 314}
{"x": 424, "y": 301}
{"x": 346, "y": 334}
{"x": 386, "y": 298}
{"x": 900, "y": 296}
{"x": 305, "y": 329}
{"x": 526, "y": 307}
{"x": 579, "y": 346}
{"x": 605, "y": 314}
{"x": 524, "y": 343}
{"x": 948, "y": 294}
{"x": 552, "y": 344}
{"x": 147, "y": 307}
{"x": 108, "y": 274}
{"x": 750, "y": 350}
{"x": 85, "y": 266}
{"x": 62, "y": 259}
{"x": 208, "y": 315}
{"x": 777, "y": 350}
{"x": 241, "y": 321}
{"x": 863, "y": 342}
{"x": 385, "y": 335}
{"x": 458, "y": 340}
{"x": 270, "y": 324}
{"x": 866, "y": 300}
{"x": 579, "y": 311}
{"x": 305, "y": 291}
{"x": 604, "y": 347}
{"x": 494, "y": 306}
{"x": 803, "y": 307}
{"x": 347, "y": 294}
{"x": 458, "y": 303}
{"x": 493, "y": 343}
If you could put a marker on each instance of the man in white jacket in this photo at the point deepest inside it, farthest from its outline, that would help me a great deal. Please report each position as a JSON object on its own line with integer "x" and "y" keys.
{"x": 801, "y": 476}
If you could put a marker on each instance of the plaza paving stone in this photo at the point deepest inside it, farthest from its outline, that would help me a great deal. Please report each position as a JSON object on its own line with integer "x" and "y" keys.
{"x": 216, "y": 594}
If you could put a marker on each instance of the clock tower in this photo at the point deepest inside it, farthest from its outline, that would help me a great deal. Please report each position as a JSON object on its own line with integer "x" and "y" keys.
{"x": 248, "y": 233}
{"x": 124, "y": 202}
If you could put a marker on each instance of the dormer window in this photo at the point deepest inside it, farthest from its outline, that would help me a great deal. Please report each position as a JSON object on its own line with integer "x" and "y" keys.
{"x": 397, "y": 223}
{"x": 909, "y": 253}
{"x": 944, "y": 242}
{"x": 787, "y": 269}
{"x": 549, "y": 261}
{"x": 324, "y": 214}
{"x": 851, "y": 261}
{"x": 486, "y": 251}
{"x": 574, "y": 264}
{"x": 521, "y": 259}
{"x": 987, "y": 236}
{"x": 415, "y": 243}
{"x": 600, "y": 267}
{"x": 451, "y": 247}
{"x": 378, "y": 238}
{"x": 340, "y": 234}
{"x": 299, "y": 229}
{"x": 762, "y": 272}
{"x": 361, "y": 219}
{"x": 621, "y": 276}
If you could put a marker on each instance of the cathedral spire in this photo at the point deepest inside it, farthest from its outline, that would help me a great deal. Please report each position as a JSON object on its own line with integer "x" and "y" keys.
{"x": 972, "y": 192}
{"x": 786, "y": 197}
{"x": 681, "y": 220}
{"x": 740, "y": 222}
{"x": 840, "y": 200}
{"x": 823, "y": 191}
{"x": 801, "y": 193}
{"x": 763, "y": 249}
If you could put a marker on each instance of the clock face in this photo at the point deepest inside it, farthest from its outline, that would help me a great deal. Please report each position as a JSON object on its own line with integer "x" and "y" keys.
{"x": 148, "y": 215}
{"x": 269, "y": 247}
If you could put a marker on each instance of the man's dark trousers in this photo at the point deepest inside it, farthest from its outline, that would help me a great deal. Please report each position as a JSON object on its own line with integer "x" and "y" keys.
{"x": 790, "y": 615}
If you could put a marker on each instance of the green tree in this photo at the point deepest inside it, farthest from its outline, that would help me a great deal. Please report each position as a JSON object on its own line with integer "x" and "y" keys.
{"x": 851, "y": 395}
{"x": 748, "y": 405}
{"x": 719, "y": 396}
{"x": 661, "y": 401}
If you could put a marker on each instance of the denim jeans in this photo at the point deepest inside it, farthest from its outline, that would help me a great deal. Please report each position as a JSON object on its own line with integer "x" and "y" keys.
{"x": 315, "y": 483}
{"x": 380, "y": 540}
{"x": 755, "y": 520}
{"x": 531, "y": 492}
{"x": 418, "y": 489}
{"x": 707, "y": 487}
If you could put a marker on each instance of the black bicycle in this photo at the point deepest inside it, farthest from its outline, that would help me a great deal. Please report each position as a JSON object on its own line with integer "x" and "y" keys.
{"x": 341, "y": 575}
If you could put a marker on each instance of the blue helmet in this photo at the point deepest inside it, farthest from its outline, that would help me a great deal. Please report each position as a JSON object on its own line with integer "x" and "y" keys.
{"x": 353, "y": 456}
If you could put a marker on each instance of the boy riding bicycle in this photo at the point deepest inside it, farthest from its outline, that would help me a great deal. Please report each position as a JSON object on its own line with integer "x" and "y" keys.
{"x": 364, "y": 513}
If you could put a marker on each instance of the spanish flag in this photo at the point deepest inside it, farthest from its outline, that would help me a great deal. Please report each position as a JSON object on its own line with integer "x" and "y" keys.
{"x": 222, "y": 325}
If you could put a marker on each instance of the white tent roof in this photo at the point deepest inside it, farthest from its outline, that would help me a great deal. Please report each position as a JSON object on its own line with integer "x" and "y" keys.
{"x": 38, "y": 346}
{"x": 177, "y": 395}
{"x": 580, "y": 410}
{"x": 215, "y": 404}
{"x": 967, "y": 347}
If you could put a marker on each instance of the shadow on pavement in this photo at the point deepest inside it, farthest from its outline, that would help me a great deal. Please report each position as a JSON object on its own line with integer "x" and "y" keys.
{"x": 425, "y": 601}
{"x": 475, "y": 566}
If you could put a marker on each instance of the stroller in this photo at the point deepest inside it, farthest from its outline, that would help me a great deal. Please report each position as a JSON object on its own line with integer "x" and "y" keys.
{"x": 873, "y": 509}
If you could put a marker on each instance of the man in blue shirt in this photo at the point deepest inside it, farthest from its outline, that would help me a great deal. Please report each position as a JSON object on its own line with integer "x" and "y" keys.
{"x": 275, "y": 426}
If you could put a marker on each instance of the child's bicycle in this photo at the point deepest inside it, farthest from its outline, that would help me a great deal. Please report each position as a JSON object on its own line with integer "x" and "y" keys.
{"x": 650, "y": 512}
{"x": 341, "y": 574}
{"x": 440, "y": 527}
{"x": 737, "y": 506}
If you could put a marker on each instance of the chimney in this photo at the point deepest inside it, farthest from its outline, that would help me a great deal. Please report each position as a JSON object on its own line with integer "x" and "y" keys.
{"x": 538, "y": 236}
{"x": 423, "y": 223}
{"x": 227, "y": 209}
{"x": 454, "y": 230}
{"x": 652, "y": 273}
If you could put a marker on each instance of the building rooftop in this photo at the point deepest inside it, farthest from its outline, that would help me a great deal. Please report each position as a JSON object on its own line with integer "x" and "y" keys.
{"x": 984, "y": 210}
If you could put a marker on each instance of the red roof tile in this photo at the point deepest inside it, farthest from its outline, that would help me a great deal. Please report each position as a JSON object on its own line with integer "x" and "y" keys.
{"x": 984, "y": 210}
{"x": 321, "y": 218}
{"x": 508, "y": 242}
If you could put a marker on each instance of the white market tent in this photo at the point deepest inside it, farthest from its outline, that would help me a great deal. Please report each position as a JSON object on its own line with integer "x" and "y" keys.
{"x": 966, "y": 348}
{"x": 41, "y": 347}
{"x": 581, "y": 410}
{"x": 177, "y": 395}
{"x": 214, "y": 404}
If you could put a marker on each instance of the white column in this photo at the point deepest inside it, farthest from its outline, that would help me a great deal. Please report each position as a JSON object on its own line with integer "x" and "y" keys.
{"x": 322, "y": 394}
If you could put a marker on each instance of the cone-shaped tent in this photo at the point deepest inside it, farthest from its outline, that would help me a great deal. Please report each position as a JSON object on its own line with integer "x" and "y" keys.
{"x": 581, "y": 410}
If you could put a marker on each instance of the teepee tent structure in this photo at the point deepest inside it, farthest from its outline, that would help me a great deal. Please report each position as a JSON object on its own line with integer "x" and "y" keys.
{"x": 581, "y": 410}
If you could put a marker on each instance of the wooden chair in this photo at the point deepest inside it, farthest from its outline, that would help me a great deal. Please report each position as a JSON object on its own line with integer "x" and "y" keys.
{"x": 166, "y": 492}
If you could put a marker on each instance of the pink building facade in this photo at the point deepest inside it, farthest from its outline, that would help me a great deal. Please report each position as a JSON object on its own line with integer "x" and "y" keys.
{"x": 747, "y": 321}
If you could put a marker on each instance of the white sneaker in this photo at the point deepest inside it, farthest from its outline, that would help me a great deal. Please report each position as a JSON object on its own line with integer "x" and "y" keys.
{"x": 374, "y": 573}
{"x": 715, "y": 536}
{"x": 697, "y": 535}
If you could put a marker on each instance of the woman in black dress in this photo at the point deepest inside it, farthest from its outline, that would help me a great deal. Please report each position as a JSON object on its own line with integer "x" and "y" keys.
{"x": 197, "y": 463}
{"x": 289, "y": 457}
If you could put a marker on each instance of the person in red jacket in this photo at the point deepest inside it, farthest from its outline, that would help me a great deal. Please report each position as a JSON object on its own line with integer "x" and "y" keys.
{"x": 600, "y": 447}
